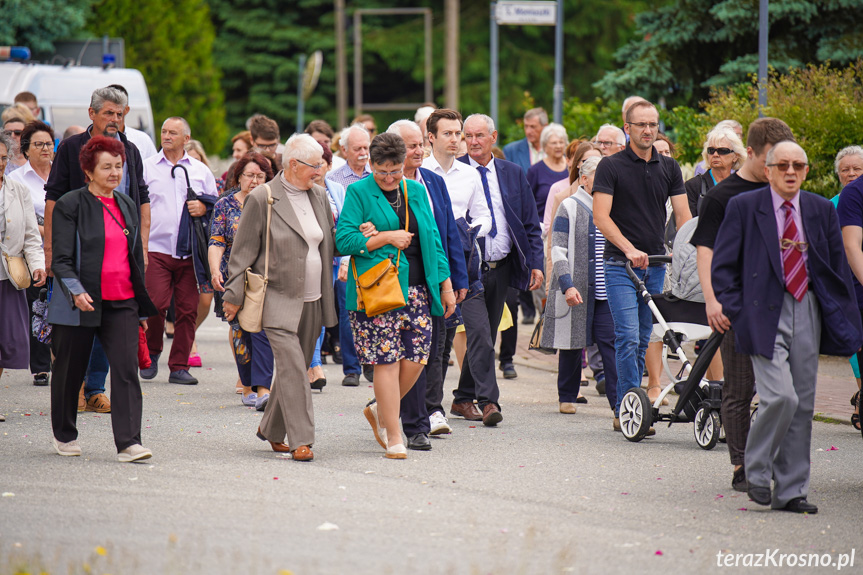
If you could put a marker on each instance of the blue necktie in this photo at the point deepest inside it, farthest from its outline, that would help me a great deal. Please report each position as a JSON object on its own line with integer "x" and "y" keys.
{"x": 483, "y": 174}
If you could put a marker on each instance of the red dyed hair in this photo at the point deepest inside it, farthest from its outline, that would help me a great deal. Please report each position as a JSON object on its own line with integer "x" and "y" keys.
{"x": 253, "y": 158}
{"x": 89, "y": 155}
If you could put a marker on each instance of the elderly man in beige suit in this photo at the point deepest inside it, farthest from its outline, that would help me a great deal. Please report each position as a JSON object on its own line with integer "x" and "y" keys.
{"x": 299, "y": 296}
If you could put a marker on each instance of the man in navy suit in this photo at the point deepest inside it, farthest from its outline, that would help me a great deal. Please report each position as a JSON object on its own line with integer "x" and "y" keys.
{"x": 422, "y": 400}
{"x": 513, "y": 254}
{"x": 525, "y": 153}
{"x": 780, "y": 273}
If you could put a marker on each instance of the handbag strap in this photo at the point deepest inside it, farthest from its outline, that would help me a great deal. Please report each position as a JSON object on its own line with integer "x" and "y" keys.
{"x": 113, "y": 217}
{"x": 267, "y": 241}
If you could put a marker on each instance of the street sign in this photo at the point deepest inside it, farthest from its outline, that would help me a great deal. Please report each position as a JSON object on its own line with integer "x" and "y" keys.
{"x": 526, "y": 13}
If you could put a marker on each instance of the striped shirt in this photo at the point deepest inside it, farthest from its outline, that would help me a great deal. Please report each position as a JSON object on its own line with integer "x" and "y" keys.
{"x": 599, "y": 247}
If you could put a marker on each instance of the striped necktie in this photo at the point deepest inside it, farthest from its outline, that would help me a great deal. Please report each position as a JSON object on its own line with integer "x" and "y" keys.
{"x": 796, "y": 279}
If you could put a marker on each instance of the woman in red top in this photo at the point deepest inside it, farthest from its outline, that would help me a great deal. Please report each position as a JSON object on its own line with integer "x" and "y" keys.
{"x": 98, "y": 264}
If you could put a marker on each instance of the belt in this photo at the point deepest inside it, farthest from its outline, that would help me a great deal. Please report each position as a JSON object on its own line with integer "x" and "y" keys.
{"x": 495, "y": 264}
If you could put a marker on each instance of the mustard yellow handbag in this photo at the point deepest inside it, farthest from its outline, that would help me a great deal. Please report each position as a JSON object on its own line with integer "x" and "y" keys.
{"x": 16, "y": 269}
{"x": 378, "y": 289}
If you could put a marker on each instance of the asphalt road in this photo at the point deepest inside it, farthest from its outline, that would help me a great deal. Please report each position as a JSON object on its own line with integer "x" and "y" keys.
{"x": 543, "y": 493}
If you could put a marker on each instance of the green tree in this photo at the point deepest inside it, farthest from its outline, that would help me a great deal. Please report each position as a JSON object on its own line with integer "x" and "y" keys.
{"x": 686, "y": 47}
{"x": 37, "y": 23}
{"x": 171, "y": 43}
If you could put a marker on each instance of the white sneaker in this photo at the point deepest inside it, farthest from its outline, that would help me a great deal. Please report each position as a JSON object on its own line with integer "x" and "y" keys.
{"x": 134, "y": 453}
{"x": 69, "y": 449}
{"x": 439, "y": 425}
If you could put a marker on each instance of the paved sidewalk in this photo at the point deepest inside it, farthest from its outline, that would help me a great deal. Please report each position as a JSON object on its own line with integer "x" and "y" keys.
{"x": 835, "y": 386}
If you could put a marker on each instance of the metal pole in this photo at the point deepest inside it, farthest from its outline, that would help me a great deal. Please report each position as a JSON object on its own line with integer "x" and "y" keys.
{"x": 451, "y": 16}
{"x": 429, "y": 83}
{"x": 341, "y": 65}
{"x": 301, "y": 103}
{"x": 358, "y": 64}
{"x": 558, "y": 64}
{"x": 495, "y": 63}
{"x": 763, "y": 32}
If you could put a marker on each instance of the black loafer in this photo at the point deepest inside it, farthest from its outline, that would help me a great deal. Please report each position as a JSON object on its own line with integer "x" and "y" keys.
{"x": 419, "y": 442}
{"x": 738, "y": 480}
{"x": 760, "y": 495}
{"x": 183, "y": 377}
{"x": 351, "y": 380}
{"x": 508, "y": 370}
{"x": 800, "y": 505}
{"x": 581, "y": 399}
{"x": 40, "y": 379}
{"x": 369, "y": 372}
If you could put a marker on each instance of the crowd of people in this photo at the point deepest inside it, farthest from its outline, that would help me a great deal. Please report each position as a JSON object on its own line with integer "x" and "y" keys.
{"x": 389, "y": 251}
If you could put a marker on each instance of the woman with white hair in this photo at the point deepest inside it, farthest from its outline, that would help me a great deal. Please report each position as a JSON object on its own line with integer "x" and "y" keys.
{"x": 723, "y": 154}
{"x": 299, "y": 297}
{"x": 542, "y": 175}
{"x": 577, "y": 313}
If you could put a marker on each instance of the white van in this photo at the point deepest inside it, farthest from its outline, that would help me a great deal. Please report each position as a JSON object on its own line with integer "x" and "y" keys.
{"x": 64, "y": 92}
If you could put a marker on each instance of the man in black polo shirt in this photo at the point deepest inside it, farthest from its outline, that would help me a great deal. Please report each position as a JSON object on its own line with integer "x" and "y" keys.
{"x": 630, "y": 192}
{"x": 739, "y": 387}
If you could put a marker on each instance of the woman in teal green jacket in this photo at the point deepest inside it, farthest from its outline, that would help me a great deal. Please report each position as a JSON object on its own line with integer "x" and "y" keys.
{"x": 397, "y": 342}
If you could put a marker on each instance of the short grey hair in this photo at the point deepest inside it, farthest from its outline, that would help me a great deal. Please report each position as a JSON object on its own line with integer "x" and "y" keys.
{"x": 553, "y": 130}
{"x": 423, "y": 113}
{"x": 489, "y": 123}
{"x": 187, "y": 129}
{"x": 847, "y": 151}
{"x": 301, "y": 147}
{"x": 343, "y": 136}
{"x": 7, "y": 140}
{"x": 113, "y": 95}
{"x": 629, "y": 101}
{"x": 771, "y": 154}
{"x": 588, "y": 166}
{"x": 396, "y": 127}
{"x": 725, "y": 133}
{"x": 733, "y": 124}
{"x": 621, "y": 135}
{"x": 538, "y": 113}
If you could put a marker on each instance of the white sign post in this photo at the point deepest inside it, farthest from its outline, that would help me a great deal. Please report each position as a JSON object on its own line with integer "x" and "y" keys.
{"x": 528, "y": 13}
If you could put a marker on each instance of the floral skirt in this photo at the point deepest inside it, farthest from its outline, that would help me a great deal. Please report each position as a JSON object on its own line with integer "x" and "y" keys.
{"x": 404, "y": 333}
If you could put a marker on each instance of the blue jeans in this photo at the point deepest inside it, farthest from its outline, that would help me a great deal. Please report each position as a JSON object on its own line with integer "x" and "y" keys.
{"x": 316, "y": 358}
{"x": 632, "y": 322}
{"x": 97, "y": 370}
{"x": 350, "y": 363}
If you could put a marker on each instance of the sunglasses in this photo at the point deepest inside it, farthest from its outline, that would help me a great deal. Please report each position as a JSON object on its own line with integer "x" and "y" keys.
{"x": 14, "y": 132}
{"x": 783, "y": 166}
{"x": 720, "y": 151}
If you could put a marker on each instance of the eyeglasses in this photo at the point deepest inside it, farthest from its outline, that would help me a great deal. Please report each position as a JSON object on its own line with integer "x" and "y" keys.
{"x": 312, "y": 166}
{"x": 783, "y": 166}
{"x": 720, "y": 151}
{"x": 42, "y": 145}
{"x": 393, "y": 174}
{"x": 604, "y": 144}
{"x": 262, "y": 176}
{"x": 267, "y": 147}
{"x": 787, "y": 243}
{"x": 642, "y": 125}
{"x": 15, "y": 132}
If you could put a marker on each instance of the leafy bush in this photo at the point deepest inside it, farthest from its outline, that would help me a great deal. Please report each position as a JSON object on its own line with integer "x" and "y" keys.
{"x": 583, "y": 119}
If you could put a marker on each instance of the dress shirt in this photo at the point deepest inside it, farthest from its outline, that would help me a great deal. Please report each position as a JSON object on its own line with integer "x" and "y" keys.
{"x": 142, "y": 141}
{"x": 346, "y": 176}
{"x": 779, "y": 213}
{"x": 499, "y": 246}
{"x": 34, "y": 182}
{"x": 465, "y": 192}
{"x": 168, "y": 197}
{"x": 419, "y": 178}
{"x": 535, "y": 155}
{"x": 338, "y": 162}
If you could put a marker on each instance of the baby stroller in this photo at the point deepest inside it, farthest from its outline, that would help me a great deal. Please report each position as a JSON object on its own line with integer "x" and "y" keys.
{"x": 700, "y": 400}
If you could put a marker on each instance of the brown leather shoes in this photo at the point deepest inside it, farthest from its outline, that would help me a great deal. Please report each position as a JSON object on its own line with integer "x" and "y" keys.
{"x": 303, "y": 453}
{"x": 491, "y": 415}
{"x": 98, "y": 403}
{"x": 467, "y": 410}
{"x": 277, "y": 447}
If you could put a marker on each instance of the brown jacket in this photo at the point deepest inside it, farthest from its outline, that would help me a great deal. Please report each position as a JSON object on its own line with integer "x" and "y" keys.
{"x": 283, "y": 304}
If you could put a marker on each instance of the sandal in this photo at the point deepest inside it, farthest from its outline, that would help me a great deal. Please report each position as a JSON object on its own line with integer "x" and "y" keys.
{"x": 854, "y": 399}
{"x": 652, "y": 399}
{"x": 855, "y": 421}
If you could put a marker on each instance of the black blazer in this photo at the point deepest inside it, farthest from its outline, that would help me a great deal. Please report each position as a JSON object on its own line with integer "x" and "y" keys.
{"x": 78, "y": 242}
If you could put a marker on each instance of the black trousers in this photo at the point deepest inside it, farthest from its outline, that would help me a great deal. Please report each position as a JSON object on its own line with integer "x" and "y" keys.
{"x": 509, "y": 337}
{"x": 72, "y": 345}
{"x": 478, "y": 379}
{"x": 40, "y": 353}
{"x": 414, "y": 407}
{"x": 737, "y": 393}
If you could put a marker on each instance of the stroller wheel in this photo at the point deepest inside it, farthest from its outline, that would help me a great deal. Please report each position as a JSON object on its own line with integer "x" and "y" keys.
{"x": 706, "y": 427}
{"x": 636, "y": 414}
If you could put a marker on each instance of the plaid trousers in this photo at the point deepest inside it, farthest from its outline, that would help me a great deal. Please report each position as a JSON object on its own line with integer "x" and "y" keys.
{"x": 737, "y": 394}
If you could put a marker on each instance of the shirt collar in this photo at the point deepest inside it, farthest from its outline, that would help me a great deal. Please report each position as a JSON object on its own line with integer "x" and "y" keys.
{"x": 186, "y": 159}
{"x": 654, "y": 156}
{"x": 490, "y": 165}
{"x": 581, "y": 194}
{"x": 778, "y": 201}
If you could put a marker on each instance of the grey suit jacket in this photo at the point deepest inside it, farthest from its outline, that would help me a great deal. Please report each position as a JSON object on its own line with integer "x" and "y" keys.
{"x": 283, "y": 304}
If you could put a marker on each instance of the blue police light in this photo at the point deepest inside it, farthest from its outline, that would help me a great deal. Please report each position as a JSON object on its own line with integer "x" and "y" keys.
{"x": 108, "y": 60}
{"x": 14, "y": 53}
